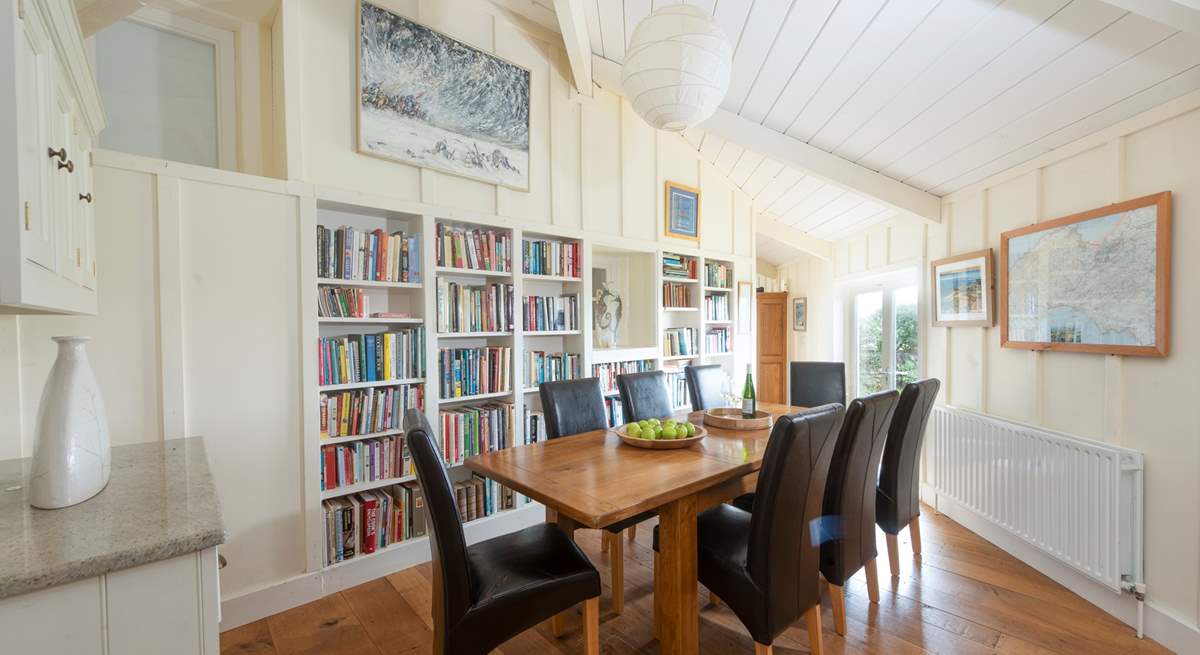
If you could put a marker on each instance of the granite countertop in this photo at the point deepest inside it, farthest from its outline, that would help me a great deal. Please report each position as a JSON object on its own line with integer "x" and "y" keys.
{"x": 159, "y": 503}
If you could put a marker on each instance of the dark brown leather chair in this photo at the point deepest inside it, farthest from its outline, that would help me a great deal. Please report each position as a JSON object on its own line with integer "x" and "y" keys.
{"x": 898, "y": 496}
{"x": 817, "y": 383}
{"x": 572, "y": 407}
{"x": 485, "y": 594}
{"x": 704, "y": 386}
{"x": 764, "y": 564}
{"x": 644, "y": 395}
{"x": 848, "y": 530}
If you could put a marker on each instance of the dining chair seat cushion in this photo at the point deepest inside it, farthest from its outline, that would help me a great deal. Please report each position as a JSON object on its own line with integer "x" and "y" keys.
{"x": 620, "y": 526}
{"x": 519, "y": 580}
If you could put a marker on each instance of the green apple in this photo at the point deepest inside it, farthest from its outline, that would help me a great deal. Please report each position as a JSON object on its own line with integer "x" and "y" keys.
{"x": 670, "y": 423}
{"x": 691, "y": 428}
{"x": 643, "y": 424}
{"x": 633, "y": 430}
{"x": 669, "y": 432}
{"x": 655, "y": 422}
{"x": 658, "y": 432}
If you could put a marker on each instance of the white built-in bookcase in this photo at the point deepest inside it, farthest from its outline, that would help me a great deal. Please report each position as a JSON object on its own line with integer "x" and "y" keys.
{"x": 631, "y": 267}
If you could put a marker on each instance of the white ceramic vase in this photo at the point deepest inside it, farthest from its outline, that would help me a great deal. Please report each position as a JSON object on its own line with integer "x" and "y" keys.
{"x": 72, "y": 458}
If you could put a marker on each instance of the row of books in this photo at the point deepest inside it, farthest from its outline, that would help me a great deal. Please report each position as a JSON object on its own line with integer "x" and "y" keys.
{"x": 365, "y": 522}
{"x": 613, "y": 411}
{"x": 677, "y": 385}
{"x": 609, "y": 371}
{"x": 347, "y": 253}
{"x": 470, "y": 308}
{"x": 479, "y": 497}
{"x": 543, "y": 257}
{"x": 679, "y": 341}
{"x": 368, "y": 460}
{"x": 716, "y": 307}
{"x": 716, "y": 340}
{"x": 366, "y": 411}
{"x": 551, "y": 367}
{"x": 677, "y": 295}
{"x": 474, "y": 371}
{"x": 342, "y": 302}
{"x": 535, "y": 426}
{"x": 678, "y": 266}
{"x": 480, "y": 249}
{"x": 546, "y": 313}
{"x": 472, "y": 430}
{"x": 380, "y": 357}
{"x": 718, "y": 274}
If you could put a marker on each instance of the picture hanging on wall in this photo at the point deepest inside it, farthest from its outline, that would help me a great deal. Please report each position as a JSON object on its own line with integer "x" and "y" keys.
{"x": 682, "y": 209}
{"x": 800, "y": 314}
{"x": 429, "y": 100}
{"x": 962, "y": 289}
{"x": 745, "y": 298}
{"x": 1096, "y": 282}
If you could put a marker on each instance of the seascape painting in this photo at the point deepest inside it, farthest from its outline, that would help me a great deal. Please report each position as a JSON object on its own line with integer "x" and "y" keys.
{"x": 429, "y": 100}
{"x": 962, "y": 290}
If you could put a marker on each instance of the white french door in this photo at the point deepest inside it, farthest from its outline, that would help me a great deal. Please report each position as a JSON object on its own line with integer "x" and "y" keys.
{"x": 882, "y": 337}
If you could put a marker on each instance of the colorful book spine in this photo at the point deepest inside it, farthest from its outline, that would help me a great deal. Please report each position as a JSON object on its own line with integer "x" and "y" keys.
{"x": 716, "y": 307}
{"x": 348, "y": 253}
{"x": 475, "y": 371}
{"x": 551, "y": 367}
{"x": 608, "y": 372}
{"x": 473, "y": 430}
{"x": 551, "y": 313}
{"x": 355, "y": 358}
{"x": 369, "y": 460}
{"x": 471, "y": 308}
{"x": 478, "y": 249}
{"x": 543, "y": 257}
{"x": 679, "y": 342}
{"x": 368, "y": 411}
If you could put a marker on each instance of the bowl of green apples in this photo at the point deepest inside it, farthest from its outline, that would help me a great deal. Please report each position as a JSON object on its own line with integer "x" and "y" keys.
{"x": 663, "y": 434}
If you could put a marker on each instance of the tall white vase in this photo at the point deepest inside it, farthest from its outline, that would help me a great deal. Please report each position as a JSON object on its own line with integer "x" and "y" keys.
{"x": 72, "y": 457}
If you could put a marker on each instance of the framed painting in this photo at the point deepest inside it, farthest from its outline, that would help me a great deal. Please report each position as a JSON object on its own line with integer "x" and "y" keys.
{"x": 800, "y": 314}
{"x": 962, "y": 288}
{"x": 429, "y": 100}
{"x": 745, "y": 299}
{"x": 1094, "y": 282}
{"x": 682, "y": 208}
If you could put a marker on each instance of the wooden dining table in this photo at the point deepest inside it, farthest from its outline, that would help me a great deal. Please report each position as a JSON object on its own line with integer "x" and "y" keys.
{"x": 592, "y": 480}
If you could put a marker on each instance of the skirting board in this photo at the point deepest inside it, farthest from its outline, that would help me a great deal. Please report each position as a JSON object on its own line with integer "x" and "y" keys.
{"x": 251, "y": 606}
{"x": 1165, "y": 628}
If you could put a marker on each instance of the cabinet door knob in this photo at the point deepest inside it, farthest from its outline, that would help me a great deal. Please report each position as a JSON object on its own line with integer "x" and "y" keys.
{"x": 61, "y": 153}
{"x": 70, "y": 166}
{"x": 86, "y": 197}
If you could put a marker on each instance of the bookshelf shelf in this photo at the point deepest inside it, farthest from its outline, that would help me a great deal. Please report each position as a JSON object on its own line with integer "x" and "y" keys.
{"x": 676, "y": 358}
{"x": 368, "y": 385}
{"x": 477, "y": 397}
{"x": 551, "y": 333}
{"x": 530, "y": 390}
{"x": 451, "y": 270}
{"x": 708, "y": 322}
{"x": 610, "y": 355}
{"x": 720, "y": 354}
{"x": 335, "y": 282}
{"x": 717, "y": 289}
{"x": 681, "y": 309}
{"x": 534, "y": 277}
{"x": 472, "y": 335}
{"x": 333, "y": 441}
{"x": 370, "y": 321}
{"x": 364, "y": 486}
{"x": 684, "y": 280}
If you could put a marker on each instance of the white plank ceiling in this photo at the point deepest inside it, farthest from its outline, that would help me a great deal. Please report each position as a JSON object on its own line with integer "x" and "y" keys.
{"x": 935, "y": 93}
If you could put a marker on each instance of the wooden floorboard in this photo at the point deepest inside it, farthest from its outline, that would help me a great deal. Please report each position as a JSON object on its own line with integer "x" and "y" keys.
{"x": 965, "y": 597}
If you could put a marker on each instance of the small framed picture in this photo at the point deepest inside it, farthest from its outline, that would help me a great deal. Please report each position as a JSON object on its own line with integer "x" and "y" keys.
{"x": 800, "y": 314}
{"x": 963, "y": 290}
{"x": 745, "y": 299}
{"x": 682, "y": 207}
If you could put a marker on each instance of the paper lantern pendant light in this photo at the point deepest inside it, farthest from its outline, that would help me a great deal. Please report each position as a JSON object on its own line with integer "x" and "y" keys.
{"x": 676, "y": 69}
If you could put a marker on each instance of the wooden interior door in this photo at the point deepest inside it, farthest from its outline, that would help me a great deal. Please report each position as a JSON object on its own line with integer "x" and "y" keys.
{"x": 772, "y": 346}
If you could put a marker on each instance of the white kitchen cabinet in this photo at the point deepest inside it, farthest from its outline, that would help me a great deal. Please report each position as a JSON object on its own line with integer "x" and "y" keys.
{"x": 50, "y": 114}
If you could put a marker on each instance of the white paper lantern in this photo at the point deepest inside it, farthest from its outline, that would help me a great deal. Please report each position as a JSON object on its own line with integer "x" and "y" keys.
{"x": 676, "y": 69}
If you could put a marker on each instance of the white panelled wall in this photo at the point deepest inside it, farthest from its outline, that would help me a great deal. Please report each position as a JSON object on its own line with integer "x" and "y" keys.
{"x": 1145, "y": 404}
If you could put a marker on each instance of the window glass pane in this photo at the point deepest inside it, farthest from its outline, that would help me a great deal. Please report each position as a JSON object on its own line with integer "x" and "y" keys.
{"x": 160, "y": 93}
{"x": 868, "y": 319}
{"x": 905, "y": 302}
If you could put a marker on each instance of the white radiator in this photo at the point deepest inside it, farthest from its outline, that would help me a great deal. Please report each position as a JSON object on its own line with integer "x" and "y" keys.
{"x": 1078, "y": 500}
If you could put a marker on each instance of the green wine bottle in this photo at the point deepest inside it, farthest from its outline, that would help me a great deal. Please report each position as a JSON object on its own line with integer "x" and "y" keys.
{"x": 749, "y": 404}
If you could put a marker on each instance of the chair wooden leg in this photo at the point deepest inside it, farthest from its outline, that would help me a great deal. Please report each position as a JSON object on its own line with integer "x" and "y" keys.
{"x": 631, "y": 532}
{"x": 657, "y": 610}
{"x": 617, "y": 564}
{"x": 591, "y": 626}
{"x": 839, "y": 609}
{"x": 558, "y": 624}
{"x": 893, "y": 555}
{"x": 816, "y": 642}
{"x": 872, "y": 581}
{"x": 914, "y": 531}
{"x": 763, "y": 649}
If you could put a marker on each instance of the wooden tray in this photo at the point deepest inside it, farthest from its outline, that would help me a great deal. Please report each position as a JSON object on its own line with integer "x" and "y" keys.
{"x": 730, "y": 418}
{"x": 661, "y": 444}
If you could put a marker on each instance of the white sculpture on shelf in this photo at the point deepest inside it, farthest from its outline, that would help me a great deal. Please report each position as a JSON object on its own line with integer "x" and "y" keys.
{"x": 607, "y": 311}
{"x": 72, "y": 457}
{"x": 676, "y": 68}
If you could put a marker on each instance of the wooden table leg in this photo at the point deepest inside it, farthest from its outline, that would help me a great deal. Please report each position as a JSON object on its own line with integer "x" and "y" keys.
{"x": 568, "y": 525}
{"x": 675, "y": 585}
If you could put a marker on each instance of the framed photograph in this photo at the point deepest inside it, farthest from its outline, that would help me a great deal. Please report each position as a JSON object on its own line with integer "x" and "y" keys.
{"x": 682, "y": 208}
{"x": 745, "y": 300}
{"x": 800, "y": 314}
{"x": 1095, "y": 282}
{"x": 962, "y": 290}
{"x": 429, "y": 100}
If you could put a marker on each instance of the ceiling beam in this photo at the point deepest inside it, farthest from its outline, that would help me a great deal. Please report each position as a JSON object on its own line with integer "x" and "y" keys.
{"x": 793, "y": 238}
{"x": 573, "y": 25}
{"x": 798, "y": 154}
{"x": 97, "y": 15}
{"x": 1180, "y": 14}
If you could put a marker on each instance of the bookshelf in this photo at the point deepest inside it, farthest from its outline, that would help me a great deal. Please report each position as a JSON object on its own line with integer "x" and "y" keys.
{"x": 553, "y": 266}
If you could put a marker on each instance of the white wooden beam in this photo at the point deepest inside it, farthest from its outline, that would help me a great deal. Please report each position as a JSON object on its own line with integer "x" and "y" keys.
{"x": 97, "y": 15}
{"x": 573, "y": 25}
{"x": 793, "y": 238}
{"x": 798, "y": 154}
{"x": 1180, "y": 14}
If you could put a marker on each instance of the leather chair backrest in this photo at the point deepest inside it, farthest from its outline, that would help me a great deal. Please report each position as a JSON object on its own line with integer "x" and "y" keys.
{"x": 783, "y": 556}
{"x": 451, "y": 573}
{"x": 573, "y": 406}
{"x": 704, "y": 386}
{"x": 849, "y": 516}
{"x": 898, "y": 500}
{"x": 817, "y": 383}
{"x": 644, "y": 395}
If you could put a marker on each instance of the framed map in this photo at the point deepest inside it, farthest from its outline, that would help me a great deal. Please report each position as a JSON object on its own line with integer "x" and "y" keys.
{"x": 1098, "y": 281}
